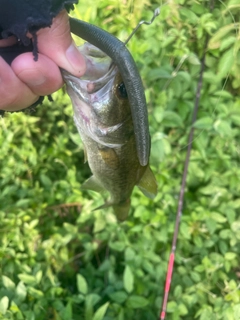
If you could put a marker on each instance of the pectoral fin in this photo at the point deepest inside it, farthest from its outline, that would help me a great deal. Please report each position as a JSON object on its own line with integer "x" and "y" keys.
{"x": 148, "y": 184}
{"x": 110, "y": 157}
{"x": 92, "y": 184}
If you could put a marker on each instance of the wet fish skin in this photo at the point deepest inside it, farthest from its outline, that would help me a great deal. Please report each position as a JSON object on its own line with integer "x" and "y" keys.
{"x": 102, "y": 115}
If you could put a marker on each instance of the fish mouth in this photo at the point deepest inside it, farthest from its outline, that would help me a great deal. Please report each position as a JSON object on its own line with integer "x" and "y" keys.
{"x": 93, "y": 92}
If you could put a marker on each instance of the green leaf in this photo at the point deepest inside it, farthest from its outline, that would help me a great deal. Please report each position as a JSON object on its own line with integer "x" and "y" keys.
{"x": 4, "y": 302}
{"x": 82, "y": 284}
{"x": 226, "y": 43}
{"x": 46, "y": 181}
{"x": 182, "y": 309}
{"x": 22, "y": 203}
{"x": 236, "y": 310}
{"x": 128, "y": 279}
{"x": 189, "y": 15}
{"x": 118, "y": 296}
{"x": 35, "y": 293}
{"x": 172, "y": 119}
{"x": 99, "y": 314}
{"x": 178, "y": 292}
{"x": 235, "y": 119}
{"x": 21, "y": 291}
{"x": 230, "y": 255}
{"x": 193, "y": 59}
{"x": 195, "y": 276}
{"x": 225, "y": 234}
{"x": 8, "y": 283}
{"x": 117, "y": 245}
{"x": 211, "y": 225}
{"x": 172, "y": 306}
{"x": 204, "y": 123}
{"x": 218, "y": 217}
{"x": 28, "y": 279}
{"x": 223, "y": 128}
{"x": 159, "y": 73}
{"x": 207, "y": 314}
{"x": 70, "y": 228}
{"x": 15, "y": 309}
{"x": 38, "y": 276}
{"x": 100, "y": 222}
{"x": 225, "y": 63}
{"x": 129, "y": 254}
{"x": 66, "y": 313}
{"x": 222, "y": 32}
{"x": 136, "y": 302}
{"x": 33, "y": 223}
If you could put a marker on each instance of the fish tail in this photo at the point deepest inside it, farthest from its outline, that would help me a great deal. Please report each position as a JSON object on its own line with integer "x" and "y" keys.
{"x": 121, "y": 210}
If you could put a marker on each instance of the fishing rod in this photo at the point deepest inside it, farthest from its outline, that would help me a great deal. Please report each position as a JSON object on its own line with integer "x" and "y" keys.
{"x": 171, "y": 259}
{"x": 181, "y": 194}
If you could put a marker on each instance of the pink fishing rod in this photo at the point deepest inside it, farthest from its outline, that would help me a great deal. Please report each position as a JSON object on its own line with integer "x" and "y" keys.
{"x": 181, "y": 194}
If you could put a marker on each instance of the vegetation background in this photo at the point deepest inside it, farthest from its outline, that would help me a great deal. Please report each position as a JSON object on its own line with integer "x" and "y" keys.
{"x": 59, "y": 259}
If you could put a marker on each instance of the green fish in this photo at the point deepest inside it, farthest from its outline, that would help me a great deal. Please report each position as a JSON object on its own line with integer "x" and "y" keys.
{"x": 103, "y": 118}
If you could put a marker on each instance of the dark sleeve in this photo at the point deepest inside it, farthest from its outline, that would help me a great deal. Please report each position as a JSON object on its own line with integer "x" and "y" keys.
{"x": 17, "y": 17}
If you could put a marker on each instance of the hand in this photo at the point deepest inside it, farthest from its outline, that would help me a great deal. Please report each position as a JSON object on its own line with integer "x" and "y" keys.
{"x": 25, "y": 80}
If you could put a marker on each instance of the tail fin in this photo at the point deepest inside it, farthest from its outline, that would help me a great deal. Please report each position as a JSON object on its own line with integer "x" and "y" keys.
{"x": 121, "y": 209}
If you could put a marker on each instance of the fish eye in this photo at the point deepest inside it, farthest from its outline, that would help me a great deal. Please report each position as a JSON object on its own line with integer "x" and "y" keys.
{"x": 121, "y": 91}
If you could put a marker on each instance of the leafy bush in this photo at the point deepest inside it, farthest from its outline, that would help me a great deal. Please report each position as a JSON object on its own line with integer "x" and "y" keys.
{"x": 60, "y": 259}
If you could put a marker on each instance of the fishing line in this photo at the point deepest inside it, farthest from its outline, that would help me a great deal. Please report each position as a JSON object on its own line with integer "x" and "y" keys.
{"x": 155, "y": 14}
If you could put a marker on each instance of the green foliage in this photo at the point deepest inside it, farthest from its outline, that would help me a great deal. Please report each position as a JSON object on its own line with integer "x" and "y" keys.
{"x": 61, "y": 260}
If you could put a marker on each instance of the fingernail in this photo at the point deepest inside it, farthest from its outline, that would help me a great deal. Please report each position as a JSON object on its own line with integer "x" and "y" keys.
{"x": 33, "y": 80}
{"x": 37, "y": 82}
{"x": 76, "y": 60}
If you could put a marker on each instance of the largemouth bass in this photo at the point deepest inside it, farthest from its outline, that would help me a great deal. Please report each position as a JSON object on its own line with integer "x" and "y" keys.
{"x": 103, "y": 118}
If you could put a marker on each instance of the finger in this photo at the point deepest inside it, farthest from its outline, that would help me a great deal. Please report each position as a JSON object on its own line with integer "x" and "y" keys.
{"x": 43, "y": 76}
{"x": 15, "y": 95}
{"x": 56, "y": 43}
{"x": 8, "y": 42}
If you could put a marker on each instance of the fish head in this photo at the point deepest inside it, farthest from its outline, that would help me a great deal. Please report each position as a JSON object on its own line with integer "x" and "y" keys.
{"x": 100, "y": 102}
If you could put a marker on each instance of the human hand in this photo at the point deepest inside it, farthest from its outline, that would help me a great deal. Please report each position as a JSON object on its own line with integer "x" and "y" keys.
{"x": 25, "y": 80}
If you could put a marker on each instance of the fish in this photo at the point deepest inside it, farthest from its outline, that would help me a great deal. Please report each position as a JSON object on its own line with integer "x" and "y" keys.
{"x": 102, "y": 115}
{"x": 120, "y": 55}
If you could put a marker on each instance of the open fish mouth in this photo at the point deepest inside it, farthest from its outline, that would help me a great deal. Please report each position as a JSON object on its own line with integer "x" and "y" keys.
{"x": 92, "y": 95}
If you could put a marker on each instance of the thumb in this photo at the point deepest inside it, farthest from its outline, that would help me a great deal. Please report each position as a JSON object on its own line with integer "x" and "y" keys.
{"x": 57, "y": 44}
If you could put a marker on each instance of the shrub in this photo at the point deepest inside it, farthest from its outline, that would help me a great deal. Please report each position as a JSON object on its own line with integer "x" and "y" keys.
{"x": 60, "y": 259}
